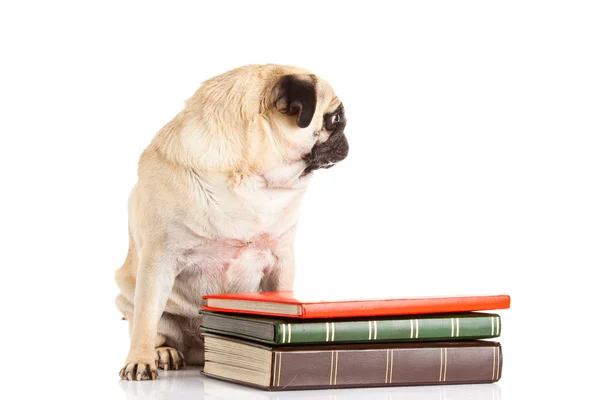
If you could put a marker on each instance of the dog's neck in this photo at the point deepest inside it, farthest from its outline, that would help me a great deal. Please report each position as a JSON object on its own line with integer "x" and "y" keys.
{"x": 287, "y": 176}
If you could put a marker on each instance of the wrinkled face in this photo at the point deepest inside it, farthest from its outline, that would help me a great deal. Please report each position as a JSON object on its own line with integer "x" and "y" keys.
{"x": 318, "y": 131}
{"x": 331, "y": 146}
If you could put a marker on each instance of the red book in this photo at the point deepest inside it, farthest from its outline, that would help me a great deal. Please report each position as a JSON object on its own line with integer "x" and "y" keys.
{"x": 292, "y": 305}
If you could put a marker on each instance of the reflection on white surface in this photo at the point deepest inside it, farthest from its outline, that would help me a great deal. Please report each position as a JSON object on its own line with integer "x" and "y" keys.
{"x": 189, "y": 384}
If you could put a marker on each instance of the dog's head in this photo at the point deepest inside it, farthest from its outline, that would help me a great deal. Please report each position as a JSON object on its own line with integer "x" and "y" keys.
{"x": 313, "y": 119}
{"x": 258, "y": 118}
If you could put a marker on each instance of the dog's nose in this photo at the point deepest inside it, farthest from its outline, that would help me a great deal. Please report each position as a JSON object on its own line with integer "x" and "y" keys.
{"x": 340, "y": 149}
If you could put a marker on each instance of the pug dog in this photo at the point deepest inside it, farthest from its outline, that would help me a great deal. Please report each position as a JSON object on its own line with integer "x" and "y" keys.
{"x": 216, "y": 204}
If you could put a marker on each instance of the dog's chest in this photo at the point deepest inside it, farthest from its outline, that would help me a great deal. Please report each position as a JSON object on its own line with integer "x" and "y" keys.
{"x": 254, "y": 209}
{"x": 242, "y": 239}
{"x": 225, "y": 265}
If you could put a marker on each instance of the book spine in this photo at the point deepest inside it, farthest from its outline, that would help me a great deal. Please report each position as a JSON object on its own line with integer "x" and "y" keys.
{"x": 418, "y": 329}
{"x": 391, "y": 367}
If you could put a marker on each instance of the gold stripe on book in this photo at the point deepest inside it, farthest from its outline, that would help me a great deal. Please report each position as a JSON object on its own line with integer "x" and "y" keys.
{"x": 411, "y": 328}
{"x": 327, "y": 331}
{"x": 391, "y": 364}
{"x": 331, "y": 370}
{"x": 274, "y": 365}
{"x": 280, "y": 365}
{"x": 498, "y": 368}
{"x": 369, "y": 330}
{"x": 497, "y": 325}
{"x": 499, "y": 361}
{"x": 492, "y": 318}
{"x": 289, "y": 333}
{"x": 441, "y": 363}
{"x": 332, "y": 331}
{"x": 417, "y": 323}
{"x": 445, "y": 362}
{"x": 494, "y": 364}
{"x": 457, "y": 327}
{"x": 452, "y": 327}
{"x": 335, "y": 373}
{"x": 283, "y": 328}
{"x": 279, "y": 371}
{"x": 375, "y": 325}
{"x": 387, "y": 364}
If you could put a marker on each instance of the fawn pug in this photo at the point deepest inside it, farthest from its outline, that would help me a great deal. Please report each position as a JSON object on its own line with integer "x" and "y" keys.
{"x": 216, "y": 204}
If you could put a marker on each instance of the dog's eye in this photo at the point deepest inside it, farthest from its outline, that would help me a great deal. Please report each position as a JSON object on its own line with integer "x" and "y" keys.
{"x": 331, "y": 121}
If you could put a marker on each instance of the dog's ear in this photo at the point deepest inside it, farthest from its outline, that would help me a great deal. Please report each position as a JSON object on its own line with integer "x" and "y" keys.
{"x": 296, "y": 95}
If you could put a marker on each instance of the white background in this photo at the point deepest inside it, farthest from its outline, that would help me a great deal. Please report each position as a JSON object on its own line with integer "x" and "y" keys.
{"x": 474, "y": 167}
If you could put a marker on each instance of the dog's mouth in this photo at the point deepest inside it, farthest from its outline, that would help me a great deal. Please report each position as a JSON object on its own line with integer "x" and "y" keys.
{"x": 327, "y": 154}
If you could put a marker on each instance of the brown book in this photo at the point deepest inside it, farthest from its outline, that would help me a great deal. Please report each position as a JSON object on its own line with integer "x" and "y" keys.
{"x": 351, "y": 365}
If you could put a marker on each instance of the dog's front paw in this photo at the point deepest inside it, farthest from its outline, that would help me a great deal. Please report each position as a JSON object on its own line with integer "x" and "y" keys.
{"x": 139, "y": 371}
{"x": 169, "y": 358}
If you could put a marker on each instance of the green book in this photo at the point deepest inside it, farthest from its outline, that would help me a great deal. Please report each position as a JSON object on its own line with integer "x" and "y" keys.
{"x": 430, "y": 327}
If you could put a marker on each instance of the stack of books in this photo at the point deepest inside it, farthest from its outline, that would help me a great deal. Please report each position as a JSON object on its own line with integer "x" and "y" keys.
{"x": 282, "y": 341}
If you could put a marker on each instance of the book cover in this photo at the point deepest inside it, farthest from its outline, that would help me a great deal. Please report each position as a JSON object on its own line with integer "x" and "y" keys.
{"x": 273, "y": 330}
{"x": 350, "y": 365}
{"x": 293, "y": 305}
